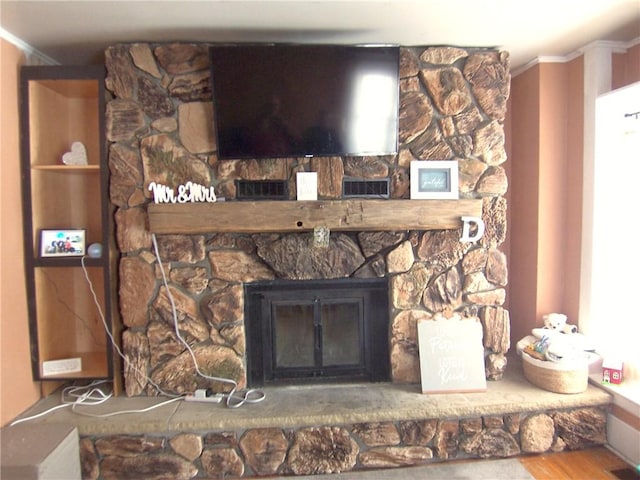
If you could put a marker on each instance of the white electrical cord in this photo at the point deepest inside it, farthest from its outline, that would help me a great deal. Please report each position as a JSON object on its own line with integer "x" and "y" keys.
{"x": 120, "y": 412}
{"x": 234, "y": 398}
{"x": 108, "y": 332}
{"x": 90, "y": 395}
{"x": 71, "y": 396}
{"x": 75, "y": 396}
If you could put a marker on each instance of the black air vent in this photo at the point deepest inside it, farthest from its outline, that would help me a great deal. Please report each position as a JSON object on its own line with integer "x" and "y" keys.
{"x": 262, "y": 190}
{"x": 365, "y": 188}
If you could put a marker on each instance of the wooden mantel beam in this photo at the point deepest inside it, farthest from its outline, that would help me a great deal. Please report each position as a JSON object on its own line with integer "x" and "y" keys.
{"x": 294, "y": 216}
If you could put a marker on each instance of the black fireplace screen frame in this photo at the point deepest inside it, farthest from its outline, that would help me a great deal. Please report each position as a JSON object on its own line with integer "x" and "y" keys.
{"x": 372, "y": 300}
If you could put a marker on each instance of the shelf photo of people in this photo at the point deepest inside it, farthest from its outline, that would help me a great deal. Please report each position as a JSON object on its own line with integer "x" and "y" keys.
{"x": 56, "y": 243}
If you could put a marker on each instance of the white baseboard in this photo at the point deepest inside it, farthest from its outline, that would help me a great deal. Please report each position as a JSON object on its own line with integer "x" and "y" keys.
{"x": 623, "y": 439}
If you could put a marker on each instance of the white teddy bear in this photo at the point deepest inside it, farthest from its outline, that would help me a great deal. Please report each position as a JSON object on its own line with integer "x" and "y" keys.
{"x": 558, "y": 322}
{"x": 559, "y": 345}
{"x": 559, "y": 341}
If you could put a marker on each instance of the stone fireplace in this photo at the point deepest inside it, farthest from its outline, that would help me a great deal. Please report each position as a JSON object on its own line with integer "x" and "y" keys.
{"x": 160, "y": 129}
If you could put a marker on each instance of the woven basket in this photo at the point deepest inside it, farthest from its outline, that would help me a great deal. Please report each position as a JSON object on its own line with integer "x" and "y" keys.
{"x": 570, "y": 377}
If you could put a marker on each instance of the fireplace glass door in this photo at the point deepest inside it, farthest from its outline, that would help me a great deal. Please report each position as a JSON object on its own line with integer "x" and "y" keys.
{"x": 313, "y": 331}
{"x": 317, "y": 335}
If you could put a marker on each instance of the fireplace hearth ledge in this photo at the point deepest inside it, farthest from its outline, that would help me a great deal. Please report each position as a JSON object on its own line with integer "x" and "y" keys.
{"x": 339, "y": 404}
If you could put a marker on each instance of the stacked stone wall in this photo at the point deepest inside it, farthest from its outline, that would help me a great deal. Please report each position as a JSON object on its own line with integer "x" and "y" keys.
{"x": 160, "y": 129}
{"x": 338, "y": 448}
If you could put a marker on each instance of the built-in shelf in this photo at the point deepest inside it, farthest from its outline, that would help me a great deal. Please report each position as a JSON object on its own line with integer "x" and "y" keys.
{"x": 68, "y": 168}
{"x": 292, "y": 216}
{"x": 72, "y": 310}
{"x": 69, "y": 261}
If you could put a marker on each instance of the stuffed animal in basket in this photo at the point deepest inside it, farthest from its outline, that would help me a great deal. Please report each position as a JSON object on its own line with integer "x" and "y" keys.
{"x": 556, "y": 341}
{"x": 558, "y": 322}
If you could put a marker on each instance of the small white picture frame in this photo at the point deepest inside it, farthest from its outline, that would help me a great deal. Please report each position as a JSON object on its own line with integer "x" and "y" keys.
{"x": 62, "y": 243}
{"x": 434, "y": 179}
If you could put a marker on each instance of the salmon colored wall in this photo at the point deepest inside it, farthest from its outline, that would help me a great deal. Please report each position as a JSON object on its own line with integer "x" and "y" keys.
{"x": 17, "y": 390}
{"x": 625, "y": 67}
{"x": 523, "y": 126}
{"x": 506, "y": 246}
{"x": 575, "y": 157}
{"x": 552, "y": 168}
{"x": 546, "y": 194}
{"x": 545, "y": 148}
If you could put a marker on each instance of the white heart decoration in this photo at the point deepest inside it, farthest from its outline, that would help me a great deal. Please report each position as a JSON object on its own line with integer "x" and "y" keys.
{"x": 77, "y": 155}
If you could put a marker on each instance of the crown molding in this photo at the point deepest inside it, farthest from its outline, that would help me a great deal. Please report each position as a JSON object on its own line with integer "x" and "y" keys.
{"x": 34, "y": 56}
{"x": 614, "y": 47}
{"x": 633, "y": 43}
{"x": 539, "y": 60}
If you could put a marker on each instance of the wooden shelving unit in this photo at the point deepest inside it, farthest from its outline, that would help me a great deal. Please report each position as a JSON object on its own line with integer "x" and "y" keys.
{"x": 61, "y": 105}
{"x": 68, "y": 168}
{"x": 293, "y": 216}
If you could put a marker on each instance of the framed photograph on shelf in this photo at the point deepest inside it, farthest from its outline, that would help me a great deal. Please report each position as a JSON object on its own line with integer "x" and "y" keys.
{"x": 62, "y": 243}
{"x": 434, "y": 179}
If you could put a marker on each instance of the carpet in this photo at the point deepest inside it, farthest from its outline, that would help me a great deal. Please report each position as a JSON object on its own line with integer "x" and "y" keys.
{"x": 504, "y": 469}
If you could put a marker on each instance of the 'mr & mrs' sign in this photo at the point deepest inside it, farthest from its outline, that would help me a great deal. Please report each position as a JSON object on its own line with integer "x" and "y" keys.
{"x": 188, "y": 193}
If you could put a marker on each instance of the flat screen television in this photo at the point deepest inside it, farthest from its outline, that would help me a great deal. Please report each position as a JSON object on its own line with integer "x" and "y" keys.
{"x": 282, "y": 100}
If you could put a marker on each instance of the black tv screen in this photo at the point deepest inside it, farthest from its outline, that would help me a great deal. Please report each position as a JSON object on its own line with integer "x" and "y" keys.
{"x": 305, "y": 100}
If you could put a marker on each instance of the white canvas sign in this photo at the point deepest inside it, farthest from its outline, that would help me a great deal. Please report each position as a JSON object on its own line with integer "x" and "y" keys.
{"x": 451, "y": 356}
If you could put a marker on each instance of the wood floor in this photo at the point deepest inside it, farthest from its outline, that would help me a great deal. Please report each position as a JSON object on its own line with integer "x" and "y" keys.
{"x": 591, "y": 464}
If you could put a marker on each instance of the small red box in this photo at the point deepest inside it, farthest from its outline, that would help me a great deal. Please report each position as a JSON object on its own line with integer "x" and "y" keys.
{"x": 612, "y": 371}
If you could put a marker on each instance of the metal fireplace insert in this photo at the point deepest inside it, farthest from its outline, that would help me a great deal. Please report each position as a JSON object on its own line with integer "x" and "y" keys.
{"x": 317, "y": 331}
